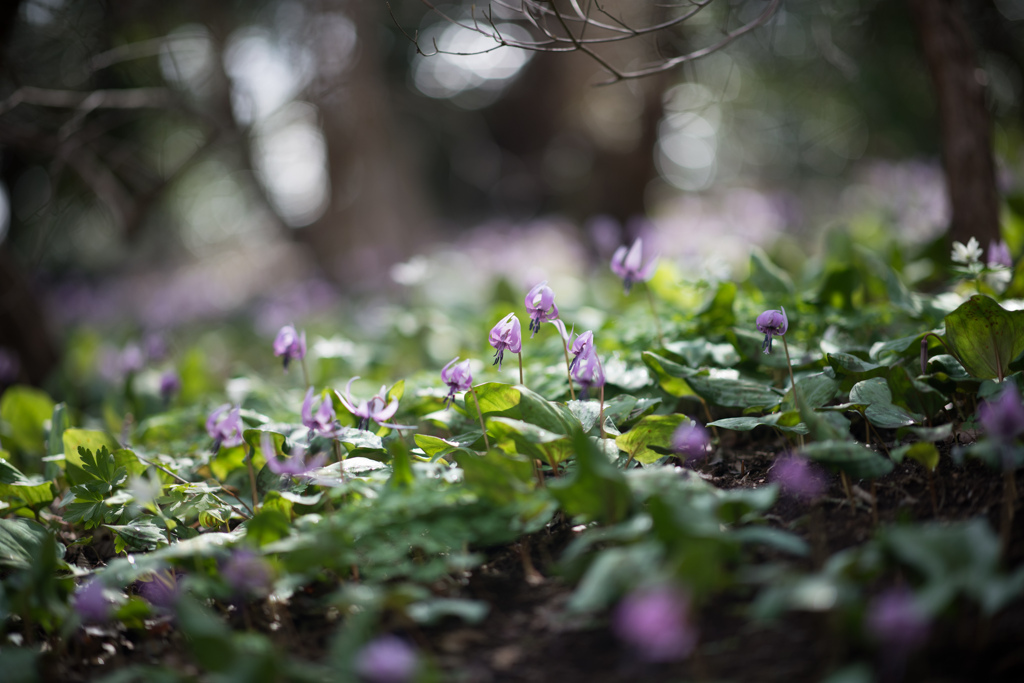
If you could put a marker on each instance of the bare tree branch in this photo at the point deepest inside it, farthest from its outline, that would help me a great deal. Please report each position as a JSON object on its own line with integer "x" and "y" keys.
{"x": 137, "y": 98}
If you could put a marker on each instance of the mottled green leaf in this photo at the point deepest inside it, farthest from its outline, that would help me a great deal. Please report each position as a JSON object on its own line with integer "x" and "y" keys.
{"x": 985, "y": 336}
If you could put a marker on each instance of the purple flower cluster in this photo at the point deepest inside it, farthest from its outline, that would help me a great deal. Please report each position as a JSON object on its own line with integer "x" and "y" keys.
{"x": 377, "y": 408}
{"x": 320, "y": 419}
{"x": 295, "y": 465}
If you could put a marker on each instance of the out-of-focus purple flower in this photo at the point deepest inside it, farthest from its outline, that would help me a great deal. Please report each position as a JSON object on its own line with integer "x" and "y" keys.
{"x": 156, "y": 347}
{"x": 507, "y": 334}
{"x": 377, "y": 408}
{"x": 692, "y": 441}
{"x": 247, "y": 573}
{"x": 162, "y": 588}
{"x": 131, "y": 359}
{"x": 587, "y": 371}
{"x": 626, "y": 263}
{"x": 295, "y": 465}
{"x": 540, "y": 304}
{"x": 458, "y": 378}
{"x": 896, "y": 621}
{"x": 999, "y": 255}
{"x": 321, "y": 419}
{"x": 170, "y": 384}
{"x": 90, "y": 603}
{"x": 9, "y": 367}
{"x": 387, "y": 659}
{"x": 290, "y": 345}
{"x": 771, "y": 323}
{"x": 583, "y": 344}
{"x": 655, "y": 623}
{"x": 1003, "y": 419}
{"x": 224, "y": 425}
{"x": 798, "y": 477}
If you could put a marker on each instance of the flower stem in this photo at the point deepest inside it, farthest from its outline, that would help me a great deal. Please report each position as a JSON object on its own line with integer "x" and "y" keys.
{"x": 480, "y": 414}
{"x": 792, "y": 380}
{"x": 654, "y": 312}
{"x": 252, "y": 477}
{"x": 568, "y": 373}
{"x": 600, "y": 415}
{"x": 305, "y": 372}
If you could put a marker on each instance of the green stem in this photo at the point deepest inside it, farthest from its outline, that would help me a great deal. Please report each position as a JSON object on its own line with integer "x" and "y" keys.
{"x": 520, "y": 355}
{"x": 654, "y": 312}
{"x": 792, "y": 380}
{"x": 305, "y": 371}
{"x": 568, "y": 373}
{"x": 252, "y": 477}
{"x": 600, "y": 415}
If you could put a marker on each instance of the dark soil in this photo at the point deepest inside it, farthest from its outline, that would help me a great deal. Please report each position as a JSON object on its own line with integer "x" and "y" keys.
{"x": 528, "y": 637}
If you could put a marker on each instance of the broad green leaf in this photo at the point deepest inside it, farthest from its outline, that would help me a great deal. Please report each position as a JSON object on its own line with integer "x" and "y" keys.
{"x": 16, "y": 489}
{"x": 849, "y": 369}
{"x": 25, "y": 410}
{"x": 59, "y": 422}
{"x": 985, "y": 336}
{"x": 766, "y": 277}
{"x": 19, "y": 541}
{"x": 401, "y": 465}
{"x": 718, "y": 314}
{"x": 537, "y": 410}
{"x": 857, "y": 460}
{"x": 721, "y": 391}
{"x": 654, "y": 431}
{"x": 494, "y": 398}
{"x": 889, "y": 416}
{"x": 530, "y": 439}
{"x": 697, "y": 352}
{"x": 596, "y": 490}
{"x": 139, "y": 535}
{"x": 498, "y": 477}
{"x": 749, "y": 422}
{"x": 874, "y": 390}
{"x": 815, "y": 390}
{"x": 922, "y": 451}
{"x": 668, "y": 373}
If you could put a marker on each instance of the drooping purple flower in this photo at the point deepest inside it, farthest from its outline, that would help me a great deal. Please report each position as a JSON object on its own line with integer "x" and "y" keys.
{"x": 691, "y": 440}
{"x": 321, "y": 419}
{"x": 224, "y": 425}
{"x": 798, "y": 477}
{"x": 387, "y": 659}
{"x": 507, "y": 334}
{"x": 897, "y": 622}
{"x": 295, "y": 465}
{"x": 90, "y": 602}
{"x": 290, "y": 345}
{"x": 458, "y": 378}
{"x": 999, "y": 255}
{"x": 583, "y": 344}
{"x": 170, "y": 384}
{"x": 1003, "y": 419}
{"x": 247, "y": 573}
{"x": 655, "y": 622}
{"x": 161, "y": 589}
{"x": 377, "y": 408}
{"x": 588, "y": 371}
{"x": 626, "y": 263}
{"x": 771, "y": 323}
{"x": 540, "y": 304}
{"x": 131, "y": 359}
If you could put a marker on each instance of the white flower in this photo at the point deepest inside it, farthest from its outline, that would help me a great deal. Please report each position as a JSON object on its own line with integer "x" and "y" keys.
{"x": 966, "y": 254}
{"x": 999, "y": 279}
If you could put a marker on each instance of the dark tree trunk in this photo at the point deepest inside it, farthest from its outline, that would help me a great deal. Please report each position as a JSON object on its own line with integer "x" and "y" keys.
{"x": 966, "y": 127}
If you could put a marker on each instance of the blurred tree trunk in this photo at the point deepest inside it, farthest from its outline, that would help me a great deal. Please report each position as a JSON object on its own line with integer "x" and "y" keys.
{"x": 966, "y": 125}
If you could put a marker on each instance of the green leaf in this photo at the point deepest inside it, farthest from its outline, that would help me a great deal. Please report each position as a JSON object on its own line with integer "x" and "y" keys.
{"x": 494, "y": 398}
{"x": 20, "y": 540}
{"x": 401, "y": 465}
{"x": 25, "y": 410}
{"x": 139, "y": 535}
{"x": 874, "y": 390}
{"x": 767, "y": 277}
{"x": 889, "y": 416}
{"x": 924, "y": 452}
{"x": 717, "y": 314}
{"x": 530, "y": 439}
{"x": 815, "y": 390}
{"x": 749, "y": 422}
{"x": 985, "y": 336}
{"x": 850, "y": 369}
{"x": 90, "y": 440}
{"x": 721, "y": 391}
{"x": 668, "y": 373}
{"x": 596, "y": 490}
{"x": 654, "y": 431}
{"x": 498, "y": 477}
{"x": 857, "y": 460}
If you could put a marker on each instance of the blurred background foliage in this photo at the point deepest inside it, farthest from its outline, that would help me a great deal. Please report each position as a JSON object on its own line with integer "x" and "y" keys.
{"x": 168, "y": 163}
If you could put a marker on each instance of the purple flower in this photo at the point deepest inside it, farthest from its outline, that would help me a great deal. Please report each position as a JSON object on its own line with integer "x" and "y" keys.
{"x": 588, "y": 371}
{"x": 507, "y": 334}
{"x": 999, "y": 255}
{"x": 225, "y": 426}
{"x": 896, "y": 621}
{"x": 90, "y": 603}
{"x": 290, "y": 345}
{"x": 247, "y": 573}
{"x": 583, "y": 344}
{"x": 458, "y": 378}
{"x": 692, "y": 441}
{"x": 798, "y": 477}
{"x": 771, "y": 323}
{"x": 627, "y": 265}
{"x": 293, "y": 466}
{"x": 170, "y": 384}
{"x": 156, "y": 347}
{"x": 387, "y": 659}
{"x": 10, "y": 367}
{"x": 131, "y": 359}
{"x": 377, "y": 408}
{"x": 162, "y": 589}
{"x": 1003, "y": 419}
{"x": 540, "y": 304}
{"x": 321, "y": 419}
{"x": 655, "y": 622}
